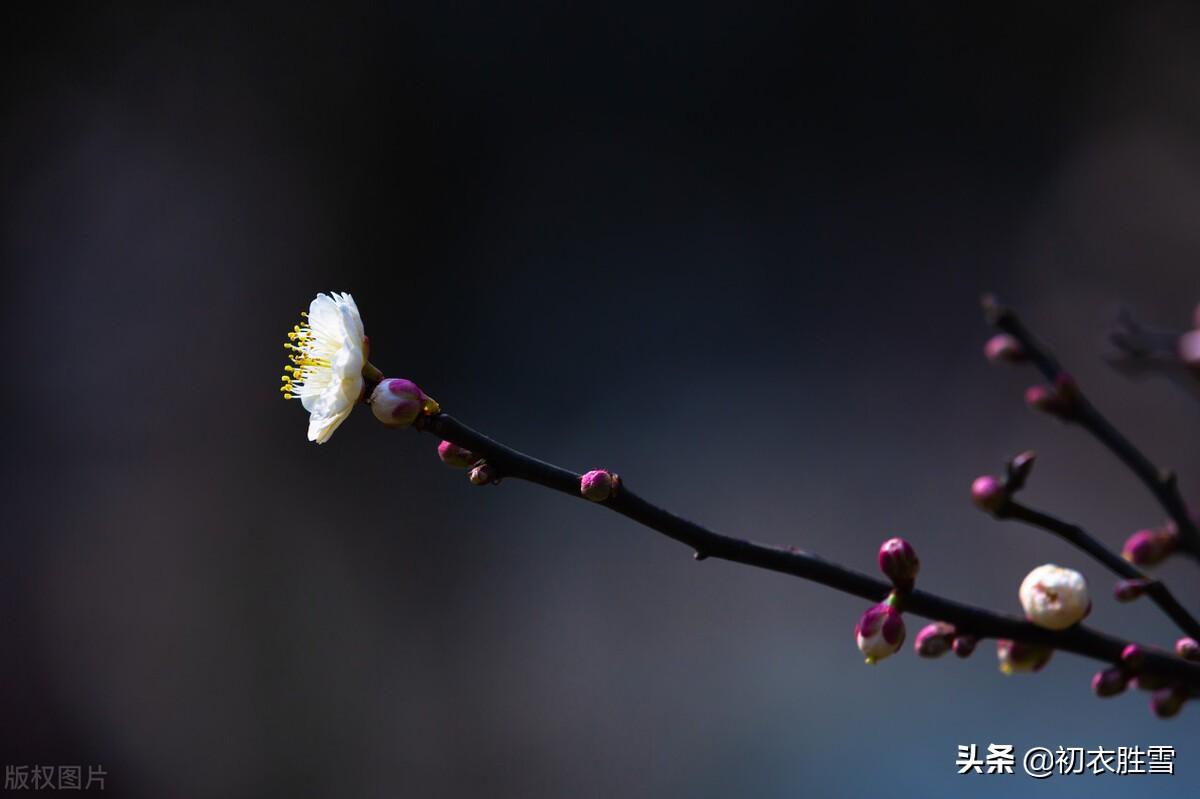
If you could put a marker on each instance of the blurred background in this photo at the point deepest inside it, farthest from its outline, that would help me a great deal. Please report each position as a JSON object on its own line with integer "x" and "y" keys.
{"x": 733, "y": 253}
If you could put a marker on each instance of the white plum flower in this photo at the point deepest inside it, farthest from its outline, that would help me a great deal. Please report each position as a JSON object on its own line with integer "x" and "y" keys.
{"x": 328, "y": 354}
{"x": 1054, "y": 597}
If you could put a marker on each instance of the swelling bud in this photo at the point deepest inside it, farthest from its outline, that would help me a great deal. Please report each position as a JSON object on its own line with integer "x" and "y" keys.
{"x": 1054, "y": 597}
{"x": 880, "y": 632}
{"x": 934, "y": 640}
{"x": 397, "y": 402}
{"x": 597, "y": 485}
{"x": 1149, "y": 547}
{"x": 456, "y": 456}
{"x": 899, "y": 563}
{"x": 988, "y": 493}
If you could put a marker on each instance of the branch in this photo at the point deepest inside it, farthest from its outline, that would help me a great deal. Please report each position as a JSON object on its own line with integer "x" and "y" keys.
{"x": 507, "y": 462}
{"x": 1076, "y": 535}
{"x": 1161, "y": 482}
{"x": 1141, "y": 349}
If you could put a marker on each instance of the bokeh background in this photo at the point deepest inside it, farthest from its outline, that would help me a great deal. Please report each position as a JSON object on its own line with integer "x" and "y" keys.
{"x": 733, "y": 252}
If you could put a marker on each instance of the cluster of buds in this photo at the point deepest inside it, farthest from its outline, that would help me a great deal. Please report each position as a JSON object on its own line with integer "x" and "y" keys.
{"x": 991, "y": 494}
{"x": 480, "y": 472}
{"x": 880, "y": 632}
{"x": 1168, "y": 697}
{"x": 938, "y": 638}
{"x": 1152, "y": 546}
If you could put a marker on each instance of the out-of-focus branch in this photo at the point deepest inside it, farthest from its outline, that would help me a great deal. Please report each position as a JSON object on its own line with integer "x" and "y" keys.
{"x": 1141, "y": 349}
{"x": 505, "y": 462}
{"x": 1161, "y": 482}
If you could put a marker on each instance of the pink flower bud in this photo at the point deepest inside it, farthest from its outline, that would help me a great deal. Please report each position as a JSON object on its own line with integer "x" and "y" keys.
{"x": 1003, "y": 348}
{"x": 1049, "y": 400}
{"x": 397, "y": 402}
{"x": 1133, "y": 656}
{"x": 597, "y": 485}
{"x": 988, "y": 493}
{"x": 964, "y": 645}
{"x": 456, "y": 456}
{"x": 1167, "y": 702}
{"x": 1188, "y": 649}
{"x": 1110, "y": 682}
{"x": 880, "y": 632}
{"x": 1149, "y": 547}
{"x": 1129, "y": 590}
{"x": 934, "y": 640}
{"x": 1017, "y": 656}
{"x": 482, "y": 474}
{"x": 899, "y": 563}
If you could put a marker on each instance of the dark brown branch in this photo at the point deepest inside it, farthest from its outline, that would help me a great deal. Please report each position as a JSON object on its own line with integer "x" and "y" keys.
{"x": 1076, "y": 535}
{"x": 707, "y": 544}
{"x": 1162, "y": 483}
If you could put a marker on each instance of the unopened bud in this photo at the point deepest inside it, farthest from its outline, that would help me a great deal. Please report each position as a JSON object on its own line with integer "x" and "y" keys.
{"x": 1188, "y": 649}
{"x": 934, "y": 640}
{"x": 1167, "y": 702}
{"x": 397, "y": 402}
{"x": 1110, "y": 682}
{"x": 482, "y": 474}
{"x": 1049, "y": 400}
{"x": 456, "y": 456}
{"x": 989, "y": 493}
{"x": 880, "y": 632}
{"x": 597, "y": 485}
{"x": 964, "y": 645}
{"x": 1149, "y": 547}
{"x": 1017, "y": 656}
{"x": 1133, "y": 656}
{"x": 1019, "y": 468}
{"x": 1129, "y": 590}
{"x": 1054, "y": 597}
{"x": 1003, "y": 348}
{"x": 899, "y": 563}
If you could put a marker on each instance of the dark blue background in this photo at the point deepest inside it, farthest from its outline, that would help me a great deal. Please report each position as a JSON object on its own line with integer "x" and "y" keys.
{"x": 733, "y": 252}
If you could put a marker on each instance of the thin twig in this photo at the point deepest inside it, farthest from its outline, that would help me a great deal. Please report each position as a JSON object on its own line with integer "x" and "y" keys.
{"x": 1161, "y": 482}
{"x": 982, "y": 623}
{"x": 1076, "y": 535}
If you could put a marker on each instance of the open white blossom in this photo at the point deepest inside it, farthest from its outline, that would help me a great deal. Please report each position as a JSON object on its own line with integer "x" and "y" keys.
{"x": 328, "y": 353}
{"x": 1054, "y": 597}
